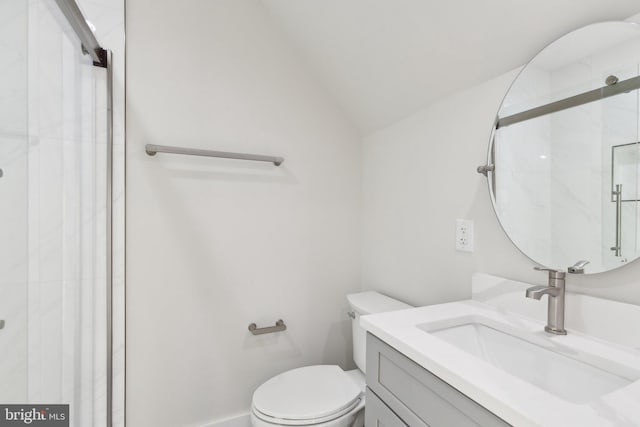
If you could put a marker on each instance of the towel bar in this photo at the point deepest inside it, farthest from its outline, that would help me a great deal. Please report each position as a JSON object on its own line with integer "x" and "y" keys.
{"x": 152, "y": 150}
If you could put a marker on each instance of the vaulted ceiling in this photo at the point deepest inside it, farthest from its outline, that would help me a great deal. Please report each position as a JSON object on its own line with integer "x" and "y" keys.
{"x": 385, "y": 59}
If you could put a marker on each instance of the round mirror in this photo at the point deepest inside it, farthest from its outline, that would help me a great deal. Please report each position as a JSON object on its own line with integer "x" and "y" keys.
{"x": 564, "y": 157}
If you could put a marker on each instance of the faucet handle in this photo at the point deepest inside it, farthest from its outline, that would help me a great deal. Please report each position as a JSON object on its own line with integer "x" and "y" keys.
{"x": 553, "y": 274}
{"x": 578, "y": 267}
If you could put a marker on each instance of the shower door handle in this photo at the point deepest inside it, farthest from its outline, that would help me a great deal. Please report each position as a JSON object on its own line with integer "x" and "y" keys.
{"x": 618, "y": 193}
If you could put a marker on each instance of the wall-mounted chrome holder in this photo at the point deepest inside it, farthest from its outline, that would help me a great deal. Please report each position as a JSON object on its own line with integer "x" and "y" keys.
{"x": 484, "y": 169}
{"x": 279, "y": 326}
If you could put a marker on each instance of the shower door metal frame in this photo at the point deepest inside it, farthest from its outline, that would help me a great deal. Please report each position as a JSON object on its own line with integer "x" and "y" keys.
{"x": 90, "y": 44}
{"x": 101, "y": 58}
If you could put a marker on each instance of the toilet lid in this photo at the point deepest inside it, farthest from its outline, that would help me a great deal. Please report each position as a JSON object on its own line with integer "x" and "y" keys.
{"x": 306, "y": 393}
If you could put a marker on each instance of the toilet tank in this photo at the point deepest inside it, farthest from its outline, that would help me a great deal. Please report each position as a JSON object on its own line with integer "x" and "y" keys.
{"x": 368, "y": 303}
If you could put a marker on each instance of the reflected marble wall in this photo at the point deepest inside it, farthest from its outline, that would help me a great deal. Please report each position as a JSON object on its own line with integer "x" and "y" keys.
{"x": 523, "y": 194}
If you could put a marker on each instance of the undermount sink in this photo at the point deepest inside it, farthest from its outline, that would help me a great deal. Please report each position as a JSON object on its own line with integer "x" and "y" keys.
{"x": 534, "y": 358}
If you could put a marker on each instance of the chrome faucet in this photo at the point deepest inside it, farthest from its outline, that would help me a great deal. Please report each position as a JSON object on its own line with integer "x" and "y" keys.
{"x": 555, "y": 291}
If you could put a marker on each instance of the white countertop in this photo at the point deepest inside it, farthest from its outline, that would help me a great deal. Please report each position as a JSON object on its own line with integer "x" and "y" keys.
{"x": 512, "y": 399}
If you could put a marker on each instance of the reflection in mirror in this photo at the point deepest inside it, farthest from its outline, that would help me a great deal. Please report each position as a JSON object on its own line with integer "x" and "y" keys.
{"x": 565, "y": 136}
{"x": 625, "y": 165}
{"x": 624, "y": 188}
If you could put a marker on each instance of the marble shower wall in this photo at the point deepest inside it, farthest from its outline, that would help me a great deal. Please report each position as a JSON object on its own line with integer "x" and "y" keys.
{"x": 13, "y": 193}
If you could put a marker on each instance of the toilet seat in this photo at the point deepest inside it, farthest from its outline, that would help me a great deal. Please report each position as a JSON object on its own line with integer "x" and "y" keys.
{"x": 307, "y": 396}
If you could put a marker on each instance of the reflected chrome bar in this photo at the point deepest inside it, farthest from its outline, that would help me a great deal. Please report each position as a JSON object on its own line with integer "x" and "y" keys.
{"x": 90, "y": 44}
{"x": 152, "y": 150}
{"x": 280, "y": 326}
{"x": 574, "y": 101}
{"x": 618, "y": 193}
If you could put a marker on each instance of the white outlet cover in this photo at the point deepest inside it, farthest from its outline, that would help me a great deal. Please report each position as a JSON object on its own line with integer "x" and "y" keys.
{"x": 464, "y": 235}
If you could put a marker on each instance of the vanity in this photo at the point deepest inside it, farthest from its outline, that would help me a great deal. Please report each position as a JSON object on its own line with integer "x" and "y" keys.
{"x": 490, "y": 363}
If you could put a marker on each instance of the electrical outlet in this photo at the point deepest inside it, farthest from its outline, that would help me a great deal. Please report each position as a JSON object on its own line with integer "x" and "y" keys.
{"x": 464, "y": 235}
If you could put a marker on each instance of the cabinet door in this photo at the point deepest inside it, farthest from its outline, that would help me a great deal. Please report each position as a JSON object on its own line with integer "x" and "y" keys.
{"x": 416, "y": 395}
{"x": 377, "y": 414}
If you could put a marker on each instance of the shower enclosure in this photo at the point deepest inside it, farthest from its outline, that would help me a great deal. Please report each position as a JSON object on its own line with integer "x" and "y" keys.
{"x": 56, "y": 152}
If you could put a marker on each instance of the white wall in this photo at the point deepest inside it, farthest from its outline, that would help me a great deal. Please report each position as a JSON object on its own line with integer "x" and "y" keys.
{"x": 214, "y": 245}
{"x": 419, "y": 176}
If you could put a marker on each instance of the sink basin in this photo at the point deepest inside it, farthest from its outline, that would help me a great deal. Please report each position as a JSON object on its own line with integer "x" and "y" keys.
{"x": 534, "y": 358}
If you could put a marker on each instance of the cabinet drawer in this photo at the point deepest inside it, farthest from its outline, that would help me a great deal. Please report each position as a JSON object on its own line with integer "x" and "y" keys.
{"x": 377, "y": 414}
{"x": 417, "y": 396}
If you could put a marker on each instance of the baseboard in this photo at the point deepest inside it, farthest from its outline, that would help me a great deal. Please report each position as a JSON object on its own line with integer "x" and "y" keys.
{"x": 242, "y": 420}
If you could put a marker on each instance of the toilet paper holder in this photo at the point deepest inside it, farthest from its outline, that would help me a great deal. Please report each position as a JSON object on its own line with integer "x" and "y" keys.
{"x": 279, "y": 326}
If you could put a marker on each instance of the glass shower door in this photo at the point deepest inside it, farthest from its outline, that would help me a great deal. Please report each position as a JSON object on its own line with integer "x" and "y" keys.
{"x": 53, "y": 277}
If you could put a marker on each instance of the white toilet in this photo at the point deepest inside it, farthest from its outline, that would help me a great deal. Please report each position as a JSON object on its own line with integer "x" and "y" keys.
{"x": 322, "y": 395}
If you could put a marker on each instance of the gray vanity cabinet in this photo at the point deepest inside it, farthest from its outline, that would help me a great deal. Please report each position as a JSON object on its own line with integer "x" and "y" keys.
{"x": 378, "y": 414}
{"x": 401, "y": 392}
